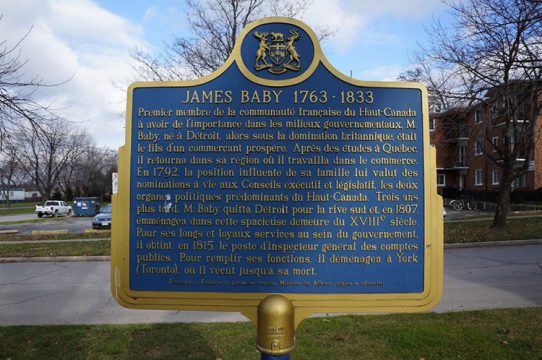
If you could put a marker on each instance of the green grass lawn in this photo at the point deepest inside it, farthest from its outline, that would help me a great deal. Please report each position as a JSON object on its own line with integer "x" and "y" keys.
{"x": 16, "y": 208}
{"x": 97, "y": 234}
{"x": 492, "y": 335}
{"x": 64, "y": 248}
{"x": 479, "y": 231}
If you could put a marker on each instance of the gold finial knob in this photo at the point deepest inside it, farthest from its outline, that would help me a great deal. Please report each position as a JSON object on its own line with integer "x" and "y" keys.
{"x": 276, "y": 325}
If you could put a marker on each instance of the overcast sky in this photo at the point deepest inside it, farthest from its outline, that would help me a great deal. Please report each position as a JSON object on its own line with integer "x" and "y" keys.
{"x": 89, "y": 41}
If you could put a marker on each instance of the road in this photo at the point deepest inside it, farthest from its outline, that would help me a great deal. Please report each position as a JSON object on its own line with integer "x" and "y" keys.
{"x": 78, "y": 292}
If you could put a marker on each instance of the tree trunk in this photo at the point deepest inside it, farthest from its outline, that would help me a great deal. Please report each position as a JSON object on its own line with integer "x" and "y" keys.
{"x": 503, "y": 204}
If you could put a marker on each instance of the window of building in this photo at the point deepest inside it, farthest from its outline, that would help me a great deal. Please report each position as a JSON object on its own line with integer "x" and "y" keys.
{"x": 441, "y": 180}
{"x": 464, "y": 129}
{"x": 495, "y": 177}
{"x": 520, "y": 106}
{"x": 478, "y": 148}
{"x": 495, "y": 142}
{"x": 479, "y": 177}
{"x": 519, "y": 182}
{"x": 462, "y": 159}
{"x": 478, "y": 117}
{"x": 432, "y": 124}
{"x": 518, "y": 143}
{"x": 498, "y": 108}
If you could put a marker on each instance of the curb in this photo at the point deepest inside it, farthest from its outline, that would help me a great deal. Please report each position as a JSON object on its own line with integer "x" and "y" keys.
{"x": 49, "y": 232}
{"x": 493, "y": 243}
{"x": 9, "y": 260}
{"x": 96, "y": 231}
{"x": 488, "y": 218}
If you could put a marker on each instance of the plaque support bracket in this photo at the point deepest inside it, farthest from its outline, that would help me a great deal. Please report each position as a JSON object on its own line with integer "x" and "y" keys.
{"x": 276, "y": 328}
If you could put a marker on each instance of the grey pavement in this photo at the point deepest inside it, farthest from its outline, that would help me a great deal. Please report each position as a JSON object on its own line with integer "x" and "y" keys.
{"x": 478, "y": 278}
{"x": 72, "y": 224}
{"x": 78, "y": 292}
{"x": 75, "y": 293}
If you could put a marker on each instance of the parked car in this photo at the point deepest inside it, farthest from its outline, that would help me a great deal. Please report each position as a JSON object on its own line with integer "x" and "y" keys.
{"x": 103, "y": 219}
{"x": 53, "y": 208}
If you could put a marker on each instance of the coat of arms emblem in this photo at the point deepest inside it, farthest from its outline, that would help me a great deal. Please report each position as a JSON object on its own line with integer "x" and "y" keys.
{"x": 282, "y": 54}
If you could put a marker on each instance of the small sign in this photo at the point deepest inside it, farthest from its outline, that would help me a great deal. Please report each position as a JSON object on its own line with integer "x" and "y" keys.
{"x": 115, "y": 183}
{"x": 277, "y": 175}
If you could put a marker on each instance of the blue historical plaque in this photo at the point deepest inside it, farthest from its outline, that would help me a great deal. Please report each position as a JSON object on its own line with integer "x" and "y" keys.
{"x": 277, "y": 174}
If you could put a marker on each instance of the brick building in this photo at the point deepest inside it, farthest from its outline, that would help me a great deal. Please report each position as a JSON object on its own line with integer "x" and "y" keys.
{"x": 468, "y": 141}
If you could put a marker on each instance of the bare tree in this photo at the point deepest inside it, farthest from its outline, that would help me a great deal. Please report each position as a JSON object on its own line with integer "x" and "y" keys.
{"x": 491, "y": 54}
{"x": 10, "y": 173}
{"x": 215, "y": 25}
{"x": 45, "y": 150}
{"x": 441, "y": 83}
{"x": 34, "y": 141}
{"x": 17, "y": 89}
{"x": 91, "y": 175}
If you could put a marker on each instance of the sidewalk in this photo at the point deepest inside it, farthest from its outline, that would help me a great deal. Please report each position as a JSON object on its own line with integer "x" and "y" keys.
{"x": 79, "y": 292}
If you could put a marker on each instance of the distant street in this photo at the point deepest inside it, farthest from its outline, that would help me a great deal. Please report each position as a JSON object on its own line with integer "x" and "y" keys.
{"x": 78, "y": 292}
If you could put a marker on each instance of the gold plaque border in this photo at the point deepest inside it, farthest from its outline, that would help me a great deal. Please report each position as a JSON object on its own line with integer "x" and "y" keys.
{"x": 304, "y": 304}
